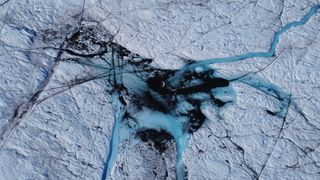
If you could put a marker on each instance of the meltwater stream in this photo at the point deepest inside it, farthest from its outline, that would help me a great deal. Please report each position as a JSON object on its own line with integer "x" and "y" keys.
{"x": 171, "y": 100}
{"x": 270, "y": 53}
{"x": 158, "y": 105}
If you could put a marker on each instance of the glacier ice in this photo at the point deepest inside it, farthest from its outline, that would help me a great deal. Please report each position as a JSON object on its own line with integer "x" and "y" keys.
{"x": 137, "y": 89}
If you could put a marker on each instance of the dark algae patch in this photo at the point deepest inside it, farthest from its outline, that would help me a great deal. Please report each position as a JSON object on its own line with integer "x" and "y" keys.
{"x": 160, "y": 139}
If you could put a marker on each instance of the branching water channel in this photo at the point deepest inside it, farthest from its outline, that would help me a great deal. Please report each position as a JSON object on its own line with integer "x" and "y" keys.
{"x": 155, "y": 103}
{"x": 170, "y": 100}
{"x": 161, "y": 105}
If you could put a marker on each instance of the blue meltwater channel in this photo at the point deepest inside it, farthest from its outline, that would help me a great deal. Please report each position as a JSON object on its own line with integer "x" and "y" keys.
{"x": 173, "y": 125}
{"x": 270, "y": 53}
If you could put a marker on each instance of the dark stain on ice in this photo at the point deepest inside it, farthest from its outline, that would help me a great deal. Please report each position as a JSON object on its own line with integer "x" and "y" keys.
{"x": 271, "y": 112}
{"x": 196, "y": 119}
{"x": 154, "y": 91}
{"x": 152, "y": 87}
{"x": 186, "y": 173}
{"x": 160, "y": 139}
{"x": 219, "y": 102}
{"x": 193, "y": 83}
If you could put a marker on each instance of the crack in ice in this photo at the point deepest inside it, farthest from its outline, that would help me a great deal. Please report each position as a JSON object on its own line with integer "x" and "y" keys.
{"x": 157, "y": 99}
{"x": 270, "y": 53}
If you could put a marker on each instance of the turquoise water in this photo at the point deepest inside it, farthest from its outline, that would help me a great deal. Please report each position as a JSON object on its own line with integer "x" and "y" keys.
{"x": 116, "y": 137}
{"x": 268, "y": 88}
{"x": 270, "y": 53}
{"x": 151, "y": 119}
{"x": 271, "y": 90}
{"x": 157, "y": 120}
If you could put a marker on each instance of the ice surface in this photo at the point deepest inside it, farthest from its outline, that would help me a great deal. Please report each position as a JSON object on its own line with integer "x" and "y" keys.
{"x": 148, "y": 89}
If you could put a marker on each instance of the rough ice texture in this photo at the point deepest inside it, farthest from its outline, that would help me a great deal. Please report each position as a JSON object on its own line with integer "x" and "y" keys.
{"x": 57, "y": 106}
